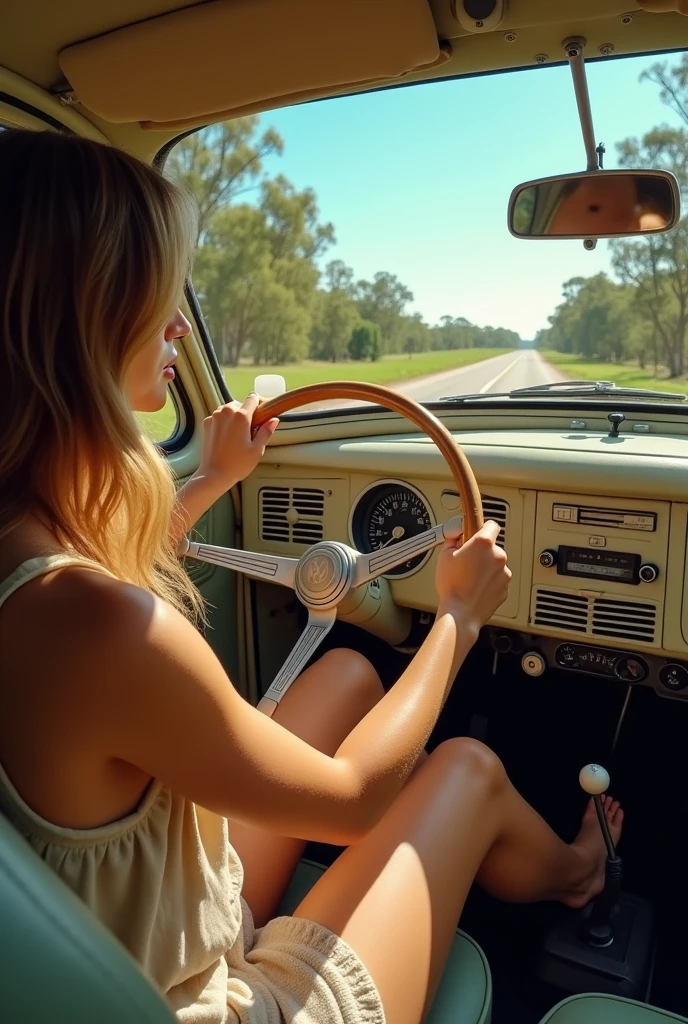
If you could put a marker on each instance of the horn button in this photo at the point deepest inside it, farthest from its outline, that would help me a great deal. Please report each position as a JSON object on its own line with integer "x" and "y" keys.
{"x": 324, "y": 574}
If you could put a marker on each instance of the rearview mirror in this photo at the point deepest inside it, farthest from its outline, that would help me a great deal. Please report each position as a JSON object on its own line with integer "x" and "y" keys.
{"x": 595, "y": 204}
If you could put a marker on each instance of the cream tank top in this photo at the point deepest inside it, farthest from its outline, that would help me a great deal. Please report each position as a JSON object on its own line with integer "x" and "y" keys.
{"x": 165, "y": 880}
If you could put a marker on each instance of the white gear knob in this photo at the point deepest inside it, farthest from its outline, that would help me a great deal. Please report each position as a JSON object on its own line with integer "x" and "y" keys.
{"x": 594, "y": 779}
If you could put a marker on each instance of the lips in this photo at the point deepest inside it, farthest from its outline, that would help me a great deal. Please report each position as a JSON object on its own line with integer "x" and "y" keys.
{"x": 168, "y": 370}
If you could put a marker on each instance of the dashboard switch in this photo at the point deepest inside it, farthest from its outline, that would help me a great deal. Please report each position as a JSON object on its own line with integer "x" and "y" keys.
{"x": 533, "y": 664}
{"x": 548, "y": 559}
{"x": 673, "y": 677}
{"x": 648, "y": 572}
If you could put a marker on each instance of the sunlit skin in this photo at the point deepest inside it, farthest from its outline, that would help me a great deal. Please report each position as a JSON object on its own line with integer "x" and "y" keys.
{"x": 152, "y": 368}
{"x": 341, "y": 762}
{"x": 605, "y": 206}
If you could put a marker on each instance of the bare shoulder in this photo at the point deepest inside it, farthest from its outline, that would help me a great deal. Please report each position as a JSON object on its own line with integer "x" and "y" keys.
{"x": 85, "y": 622}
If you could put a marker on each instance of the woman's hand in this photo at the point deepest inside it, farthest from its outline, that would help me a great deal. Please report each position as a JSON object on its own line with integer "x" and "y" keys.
{"x": 230, "y": 453}
{"x": 472, "y": 579}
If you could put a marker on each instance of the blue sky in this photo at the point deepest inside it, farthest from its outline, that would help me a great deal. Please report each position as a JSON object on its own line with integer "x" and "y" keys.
{"x": 417, "y": 181}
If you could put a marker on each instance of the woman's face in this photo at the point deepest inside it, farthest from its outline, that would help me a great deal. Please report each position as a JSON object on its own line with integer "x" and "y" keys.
{"x": 152, "y": 369}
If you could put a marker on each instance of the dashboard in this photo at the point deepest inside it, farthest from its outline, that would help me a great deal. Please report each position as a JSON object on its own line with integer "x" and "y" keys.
{"x": 595, "y": 526}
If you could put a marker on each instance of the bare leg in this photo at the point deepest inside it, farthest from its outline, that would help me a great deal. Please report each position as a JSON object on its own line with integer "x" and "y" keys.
{"x": 397, "y": 895}
{"x": 322, "y": 707}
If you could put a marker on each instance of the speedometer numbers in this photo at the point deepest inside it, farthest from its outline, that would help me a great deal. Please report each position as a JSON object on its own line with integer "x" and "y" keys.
{"x": 387, "y": 513}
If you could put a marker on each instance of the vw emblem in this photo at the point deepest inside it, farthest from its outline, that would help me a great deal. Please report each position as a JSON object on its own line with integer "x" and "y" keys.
{"x": 318, "y": 572}
{"x": 323, "y": 575}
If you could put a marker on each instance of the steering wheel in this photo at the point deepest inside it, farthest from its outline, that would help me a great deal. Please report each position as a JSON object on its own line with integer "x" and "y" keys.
{"x": 328, "y": 570}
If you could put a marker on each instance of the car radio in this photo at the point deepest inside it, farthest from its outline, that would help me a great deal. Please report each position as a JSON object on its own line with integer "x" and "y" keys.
{"x": 593, "y": 563}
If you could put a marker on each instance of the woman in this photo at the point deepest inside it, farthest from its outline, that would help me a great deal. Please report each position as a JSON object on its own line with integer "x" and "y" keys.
{"x": 127, "y": 759}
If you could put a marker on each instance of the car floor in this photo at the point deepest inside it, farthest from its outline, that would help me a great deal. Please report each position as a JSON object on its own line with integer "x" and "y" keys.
{"x": 545, "y": 730}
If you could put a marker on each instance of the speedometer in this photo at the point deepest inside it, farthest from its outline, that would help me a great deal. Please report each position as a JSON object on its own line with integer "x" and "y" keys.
{"x": 387, "y": 512}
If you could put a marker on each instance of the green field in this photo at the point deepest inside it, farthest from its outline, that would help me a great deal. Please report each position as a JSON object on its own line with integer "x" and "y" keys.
{"x": 623, "y": 374}
{"x": 388, "y": 370}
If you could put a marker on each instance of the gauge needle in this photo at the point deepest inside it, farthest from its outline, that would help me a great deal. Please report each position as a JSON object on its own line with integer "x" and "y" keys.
{"x": 397, "y": 533}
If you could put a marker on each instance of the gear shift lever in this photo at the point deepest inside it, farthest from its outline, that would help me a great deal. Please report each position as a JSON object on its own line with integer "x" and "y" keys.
{"x": 606, "y": 946}
{"x": 597, "y": 929}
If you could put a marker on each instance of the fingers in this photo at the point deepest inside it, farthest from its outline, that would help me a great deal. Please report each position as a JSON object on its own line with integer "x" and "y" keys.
{"x": 251, "y": 403}
{"x": 453, "y": 531}
{"x": 489, "y": 532}
{"x": 265, "y": 432}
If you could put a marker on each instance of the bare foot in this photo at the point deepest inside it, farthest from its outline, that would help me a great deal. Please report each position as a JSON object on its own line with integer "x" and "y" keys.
{"x": 590, "y": 843}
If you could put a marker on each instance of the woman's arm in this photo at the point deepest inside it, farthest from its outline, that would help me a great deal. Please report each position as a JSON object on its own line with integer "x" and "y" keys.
{"x": 164, "y": 704}
{"x": 229, "y": 454}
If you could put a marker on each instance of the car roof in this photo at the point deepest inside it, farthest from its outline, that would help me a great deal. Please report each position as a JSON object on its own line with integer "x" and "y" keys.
{"x": 116, "y": 50}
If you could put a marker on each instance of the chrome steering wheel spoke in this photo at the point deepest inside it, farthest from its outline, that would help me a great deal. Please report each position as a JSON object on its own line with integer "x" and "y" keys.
{"x": 376, "y": 563}
{"x": 321, "y": 579}
{"x": 273, "y": 568}
{"x": 319, "y": 625}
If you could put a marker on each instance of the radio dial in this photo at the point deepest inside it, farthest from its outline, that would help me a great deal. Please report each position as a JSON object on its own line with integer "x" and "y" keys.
{"x": 648, "y": 572}
{"x": 548, "y": 559}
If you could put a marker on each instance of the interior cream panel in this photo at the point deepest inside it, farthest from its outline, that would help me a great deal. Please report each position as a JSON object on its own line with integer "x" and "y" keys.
{"x": 600, "y": 609}
{"x": 235, "y": 57}
{"x": 633, "y": 466}
{"x": 335, "y": 515}
{"x": 676, "y": 600}
{"x": 339, "y": 497}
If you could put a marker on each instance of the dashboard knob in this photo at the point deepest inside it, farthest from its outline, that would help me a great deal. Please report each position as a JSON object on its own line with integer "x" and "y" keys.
{"x": 673, "y": 677}
{"x": 548, "y": 558}
{"x": 502, "y": 643}
{"x": 533, "y": 664}
{"x": 648, "y": 572}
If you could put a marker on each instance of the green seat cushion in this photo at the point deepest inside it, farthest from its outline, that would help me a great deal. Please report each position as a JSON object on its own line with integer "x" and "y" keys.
{"x": 464, "y": 995}
{"x": 57, "y": 963}
{"x": 60, "y": 964}
{"x": 603, "y": 1009}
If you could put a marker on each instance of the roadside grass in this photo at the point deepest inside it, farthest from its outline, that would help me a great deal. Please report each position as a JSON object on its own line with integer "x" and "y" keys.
{"x": 623, "y": 374}
{"x": 388, "y": 370}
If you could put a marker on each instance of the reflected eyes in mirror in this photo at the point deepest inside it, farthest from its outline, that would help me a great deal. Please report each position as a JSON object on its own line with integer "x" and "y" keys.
{"x": 595, "y": 204}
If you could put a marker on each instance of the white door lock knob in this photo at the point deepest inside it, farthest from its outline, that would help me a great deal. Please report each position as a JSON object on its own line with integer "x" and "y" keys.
{"x": 269, "y": 385}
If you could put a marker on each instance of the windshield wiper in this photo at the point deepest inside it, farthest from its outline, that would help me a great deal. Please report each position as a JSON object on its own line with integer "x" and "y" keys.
{"x": 575, "y": 389}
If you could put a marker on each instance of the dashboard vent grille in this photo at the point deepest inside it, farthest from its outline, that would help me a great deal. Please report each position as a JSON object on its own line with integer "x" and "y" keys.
{"x": 602, "y": 616}
{"x": 291, "y": 514}
{"x": 629, "y": 620}
{"x": 560, "y": 610}
{"x": 497, "y": 509}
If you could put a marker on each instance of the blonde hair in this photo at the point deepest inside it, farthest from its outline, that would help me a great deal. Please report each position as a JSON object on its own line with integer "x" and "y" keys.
{"x": 94, "y": 252}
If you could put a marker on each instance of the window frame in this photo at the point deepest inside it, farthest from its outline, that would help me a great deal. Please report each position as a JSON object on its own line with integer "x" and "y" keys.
{"x": 189, "y": 290}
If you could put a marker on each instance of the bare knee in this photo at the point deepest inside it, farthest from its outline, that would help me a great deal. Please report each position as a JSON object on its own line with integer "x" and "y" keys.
{"x": 465, "y": 754}
{"x": 351, "y": 678}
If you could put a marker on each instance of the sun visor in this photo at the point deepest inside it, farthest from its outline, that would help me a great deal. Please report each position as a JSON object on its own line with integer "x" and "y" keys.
{"x": 229, "y": 57}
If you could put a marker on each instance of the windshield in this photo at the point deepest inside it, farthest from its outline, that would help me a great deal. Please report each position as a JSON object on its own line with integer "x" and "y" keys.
{"x": 365, "y": 238}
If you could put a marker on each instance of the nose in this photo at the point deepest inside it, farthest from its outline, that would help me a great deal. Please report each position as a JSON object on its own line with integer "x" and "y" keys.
{"x": 178, "y": 327}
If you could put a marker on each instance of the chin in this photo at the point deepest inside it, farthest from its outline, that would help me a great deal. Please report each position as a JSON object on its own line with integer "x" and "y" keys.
{"x": 151, "y": 403}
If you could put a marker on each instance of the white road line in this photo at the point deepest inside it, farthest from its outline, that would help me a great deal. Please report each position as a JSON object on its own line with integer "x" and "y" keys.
{"x": 486, "y": 387}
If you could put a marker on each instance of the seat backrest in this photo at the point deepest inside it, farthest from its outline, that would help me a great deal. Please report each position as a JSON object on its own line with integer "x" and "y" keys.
{"x": 56, "y": 961}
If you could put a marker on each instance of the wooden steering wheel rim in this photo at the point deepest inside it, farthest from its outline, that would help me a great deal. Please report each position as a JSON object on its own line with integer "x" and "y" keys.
{"x": 461, "y": 471}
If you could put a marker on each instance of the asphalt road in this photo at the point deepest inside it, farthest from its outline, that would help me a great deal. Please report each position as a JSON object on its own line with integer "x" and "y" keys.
{"x": 501, "y": 373}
